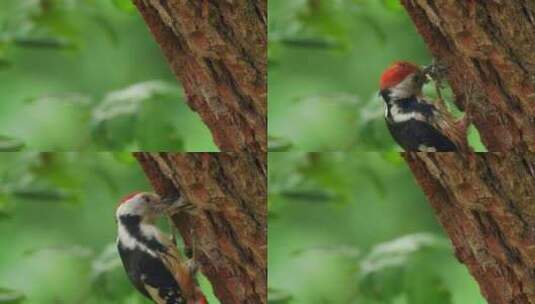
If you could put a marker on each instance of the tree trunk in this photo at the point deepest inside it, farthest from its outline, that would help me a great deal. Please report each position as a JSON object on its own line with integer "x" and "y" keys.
{"x": 486, "y": 204}
{"x": 228, "y": 229}
{"x": 486, "y": 201}
{"x": 217, "y": 49}
{"x": 488, "y": 47}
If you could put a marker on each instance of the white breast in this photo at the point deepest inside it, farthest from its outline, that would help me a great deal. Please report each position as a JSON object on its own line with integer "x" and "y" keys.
{"x": 399, "y": 116}
{"x": 129, "y": 242}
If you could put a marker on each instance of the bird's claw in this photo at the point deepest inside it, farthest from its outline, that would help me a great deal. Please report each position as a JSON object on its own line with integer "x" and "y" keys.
{"x": 192, "y": 266}
{"x": 191, "y": 254}
{"x": 175, "y": 205}
{"x": 435, "y": 71}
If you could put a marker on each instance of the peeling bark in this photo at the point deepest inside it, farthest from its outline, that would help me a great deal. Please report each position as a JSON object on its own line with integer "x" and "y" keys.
{"x": 486, "y": 204}
{"x": 217, "y": 49}
{"x": 228, "y": 229}
{"x": 489, "y": 49}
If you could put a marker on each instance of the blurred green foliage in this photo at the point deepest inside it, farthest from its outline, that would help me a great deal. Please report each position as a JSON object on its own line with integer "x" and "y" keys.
{"x": 355, "y": 228}
{"x": 87, "y": 75}
{"x": 325, "y": 60}
{"x": 57, "y": 227}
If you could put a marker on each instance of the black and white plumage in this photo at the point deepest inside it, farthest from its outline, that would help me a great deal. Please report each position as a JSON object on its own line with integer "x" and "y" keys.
{"x": 151, "y": 260}
{"x": 414, "y": 123}
{"x": 410, "y": 121}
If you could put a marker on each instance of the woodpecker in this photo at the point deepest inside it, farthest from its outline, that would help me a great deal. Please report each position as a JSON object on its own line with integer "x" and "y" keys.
{"x": 414, "y": 123}
{"x": 151, "y": 260}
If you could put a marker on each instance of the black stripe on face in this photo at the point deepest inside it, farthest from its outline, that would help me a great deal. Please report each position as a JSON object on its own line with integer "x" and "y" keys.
{"x": 412, "y": 104}
{"x": 132, "y": 225}
{"x": 385, "y": 94}
{"x": 130, "y": 222}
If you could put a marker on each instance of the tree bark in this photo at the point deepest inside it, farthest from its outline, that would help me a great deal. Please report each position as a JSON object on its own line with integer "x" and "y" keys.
{"x": 227, "y": 230}
{"x": 217, "y": 49}
{"x": 486, "y": 204}
{"x": 488, "y": 47}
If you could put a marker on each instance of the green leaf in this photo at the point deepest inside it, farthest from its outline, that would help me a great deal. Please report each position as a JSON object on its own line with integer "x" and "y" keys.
{"x": 336, "y": 250}
{"x": 4, "y": 206}
{"x": 66, "y": 98}
{"x": 139, "y": 114}
{"x": 124, "y": 5}
{"x": 128, "y": 101}
{"x": 107, "y": 27}
{"x": 156, "y": 129}
{"x": 424, "y": 288}
{"x": 4, "y": 215}
{"x": 278, "y": 144}
{"x": 277, "y": 296}
{"x": 474, "y": 139}
{"x": 310, "y": 43}
{"x": 396, "y": 252}
{"x": 43, "y": 195}
{"x": 344, "y": 99}
{"x": 5, "y": 63}
{"x": 107, "y": 261}
{"x": 329, "y": 19}
{"x": 10, "y": 144}
{"x": 392, "y": 157}
{"x": 394, "y": 5}
{"x": 47, "y": 42}
{"x": 108, "y": 279}
{"x": 74, "y": 251}
{"x": 10, "y": 296}
{"x": 383, "y": 285}
{"x": 124, "y": 157}
{"x": 383, "y": 269}
{"x": 309, "y": 196}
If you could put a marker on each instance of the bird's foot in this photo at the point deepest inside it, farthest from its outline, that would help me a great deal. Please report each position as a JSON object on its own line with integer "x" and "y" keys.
{"x": 191, "y": 254}
{"x": 192, "y": 265}
{"x": 173, "y": 205}
{"x": 436, "y": 71}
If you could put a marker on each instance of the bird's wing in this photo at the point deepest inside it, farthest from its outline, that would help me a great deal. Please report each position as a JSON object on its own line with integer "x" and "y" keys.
{"x": 420, "y": 136}
{"x": 455, "y": 131}
{"x": 132, "y": 262}
{"x": 446, "y": 124}
{"x": 155, "y": 295}
{"x": 176, "y": 263}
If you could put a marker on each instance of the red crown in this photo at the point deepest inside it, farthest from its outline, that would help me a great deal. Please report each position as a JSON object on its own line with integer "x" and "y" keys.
{"x": 396, "y": 73}
{"x": 127, "y": 197}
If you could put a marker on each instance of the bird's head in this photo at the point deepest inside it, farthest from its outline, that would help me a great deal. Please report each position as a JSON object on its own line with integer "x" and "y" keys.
{"x": 144, "y": 204}
{"x": 402, "y": 80}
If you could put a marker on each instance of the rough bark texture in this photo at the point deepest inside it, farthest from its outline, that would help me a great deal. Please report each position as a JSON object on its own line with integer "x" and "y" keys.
{"x": 489, "y": 49}
{"x": 228, "y": 229}
{"x": 217, "y": 49}
{"x": 486, "y": 204}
